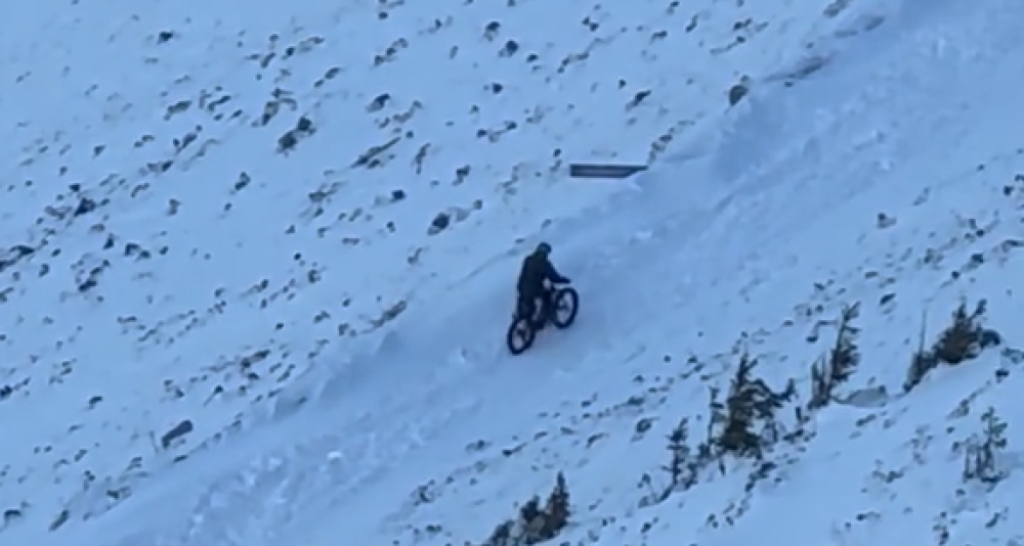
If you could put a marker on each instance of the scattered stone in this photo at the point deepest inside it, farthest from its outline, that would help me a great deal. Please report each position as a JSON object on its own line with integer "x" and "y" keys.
{"x": 737, "y": 93}
{"x": 378, "y": 103}
{"x": 85, "y": 206}
{"x": 510, "y": 49}
{"x": 638, "y": 98}
{"x": 440, "y": 223}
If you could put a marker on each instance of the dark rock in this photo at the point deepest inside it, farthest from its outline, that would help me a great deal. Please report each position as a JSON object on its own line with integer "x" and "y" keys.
{"x": 287, "y": 141}
{"x": 736, "y": 93}
{"x": 440, "y": 223}
{"x": 85, "y": 206}
{"x": 13, "y": 255}
{"x": 243, "y": 181}
{"x": 378, "y": 103}
{"x": 510, "y": 49}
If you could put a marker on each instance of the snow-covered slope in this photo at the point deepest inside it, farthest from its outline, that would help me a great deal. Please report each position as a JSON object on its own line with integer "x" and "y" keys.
{"x": 170, "y": 255}
{"x": 341, "y": 364}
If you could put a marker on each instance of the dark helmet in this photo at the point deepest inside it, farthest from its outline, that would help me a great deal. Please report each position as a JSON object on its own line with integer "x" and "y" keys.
{"x": 543, "y": 248}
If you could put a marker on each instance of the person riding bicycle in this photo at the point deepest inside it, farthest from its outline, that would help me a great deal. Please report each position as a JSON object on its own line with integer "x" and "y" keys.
{"x": 536, "y": 272}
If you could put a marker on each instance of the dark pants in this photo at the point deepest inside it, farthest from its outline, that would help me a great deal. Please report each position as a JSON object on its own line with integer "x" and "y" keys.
{"x": 528, "y": 301}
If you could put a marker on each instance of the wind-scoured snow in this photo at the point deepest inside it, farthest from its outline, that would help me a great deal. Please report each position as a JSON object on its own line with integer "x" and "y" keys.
{"x": 257, "y": 266}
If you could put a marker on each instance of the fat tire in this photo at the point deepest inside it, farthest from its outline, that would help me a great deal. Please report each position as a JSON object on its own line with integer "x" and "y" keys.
{"x": 520, "y": 336}
{"x": 570, "y": 296}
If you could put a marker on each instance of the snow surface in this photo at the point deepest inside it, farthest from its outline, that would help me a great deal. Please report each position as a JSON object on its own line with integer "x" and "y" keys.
{"x": 342, "y": 365}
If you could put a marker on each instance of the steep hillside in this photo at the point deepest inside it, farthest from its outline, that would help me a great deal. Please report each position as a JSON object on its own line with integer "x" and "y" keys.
{"x": 899, "y": 198}
{"x": 257, "y": 266}
{"x": 889, "y": 183}
{"x": 199, "y": 203}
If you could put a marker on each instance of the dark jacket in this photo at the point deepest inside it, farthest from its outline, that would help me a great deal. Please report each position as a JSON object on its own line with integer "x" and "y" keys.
{"x": 537, "y": 269}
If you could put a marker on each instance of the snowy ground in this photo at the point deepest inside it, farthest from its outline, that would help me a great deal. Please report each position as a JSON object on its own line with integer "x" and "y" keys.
{"x": 176, "y": 248}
